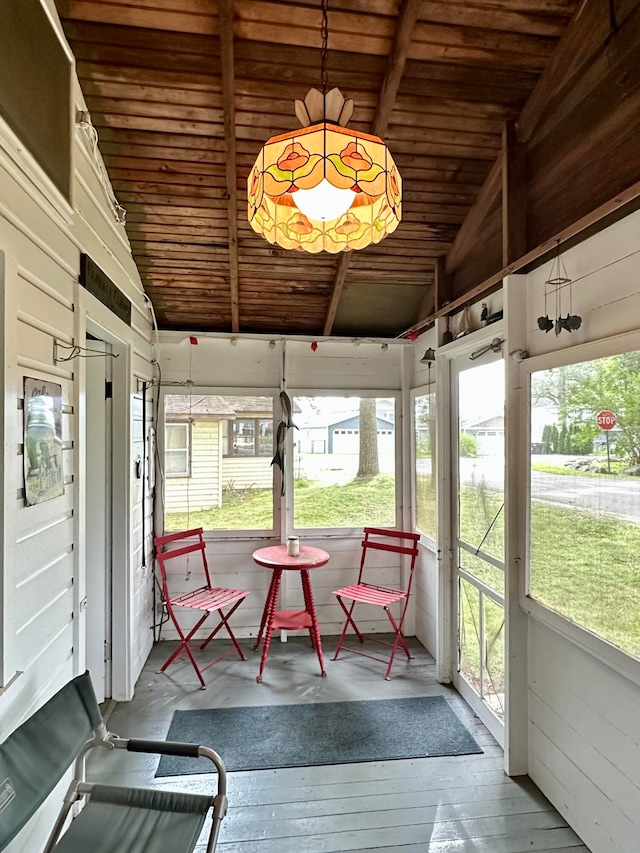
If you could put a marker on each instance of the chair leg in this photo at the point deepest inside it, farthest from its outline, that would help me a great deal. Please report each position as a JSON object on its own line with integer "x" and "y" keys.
{"x": 223, "y": 621}
{"x": 397, "y": 630}
{"x": 184, "y": 647}
{"x": 399, "y": 641}
{"x": 349, "y": 620}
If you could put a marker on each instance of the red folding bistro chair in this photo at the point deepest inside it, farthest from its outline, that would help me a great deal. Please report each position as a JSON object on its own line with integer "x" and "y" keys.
{"x": 206, "y": 599}
{"x": 362, "y": 592}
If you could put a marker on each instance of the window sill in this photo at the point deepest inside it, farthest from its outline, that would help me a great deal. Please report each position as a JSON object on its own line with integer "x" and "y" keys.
{"x": 603, "y": 651}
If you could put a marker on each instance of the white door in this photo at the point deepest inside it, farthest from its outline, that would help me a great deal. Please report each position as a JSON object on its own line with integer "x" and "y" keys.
{"x": 98, "y": 519}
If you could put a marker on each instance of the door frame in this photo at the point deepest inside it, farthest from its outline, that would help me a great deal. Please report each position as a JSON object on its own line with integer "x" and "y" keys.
{"x": 100, "y": 504}
{"x": 448, "y": 521}
{"x": 100, "y": 321}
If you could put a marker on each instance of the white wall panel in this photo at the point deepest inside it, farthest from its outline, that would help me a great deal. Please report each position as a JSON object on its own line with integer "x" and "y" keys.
{"x": 426, "y": 599}
{"x": 584, "y": 746}
{"x": 584, "y": 741}
{"x": 604, "y": 287}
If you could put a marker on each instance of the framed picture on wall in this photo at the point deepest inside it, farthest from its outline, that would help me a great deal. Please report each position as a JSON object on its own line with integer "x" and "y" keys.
{"x": 43, "y": 477}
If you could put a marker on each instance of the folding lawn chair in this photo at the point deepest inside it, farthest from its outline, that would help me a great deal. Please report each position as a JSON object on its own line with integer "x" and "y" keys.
{"x": 362, "y": 592}
{"x": 206, "y": 599}
{"x": 113, "y": 819}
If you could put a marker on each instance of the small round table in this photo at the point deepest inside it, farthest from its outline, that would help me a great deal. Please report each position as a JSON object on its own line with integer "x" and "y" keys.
{"x": 275, "y": 557}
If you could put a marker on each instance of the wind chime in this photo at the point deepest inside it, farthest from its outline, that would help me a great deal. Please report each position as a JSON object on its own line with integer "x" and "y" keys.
{"x": 558, "y": 279}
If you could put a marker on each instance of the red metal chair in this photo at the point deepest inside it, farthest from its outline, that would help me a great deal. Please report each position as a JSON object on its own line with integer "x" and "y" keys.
{"x": 206, "y": 599}
{"x": 377, "y": 539}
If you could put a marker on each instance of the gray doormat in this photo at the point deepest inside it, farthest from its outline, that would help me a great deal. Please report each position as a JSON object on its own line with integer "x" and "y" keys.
{"x": 273, "y": 736}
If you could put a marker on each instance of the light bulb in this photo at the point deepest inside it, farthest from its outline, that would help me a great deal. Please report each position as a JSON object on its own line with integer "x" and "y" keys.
{"x": 324, "y": 202}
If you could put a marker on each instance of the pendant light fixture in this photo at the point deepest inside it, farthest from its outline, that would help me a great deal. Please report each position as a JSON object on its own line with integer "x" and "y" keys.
{"x": 324, "y": 187}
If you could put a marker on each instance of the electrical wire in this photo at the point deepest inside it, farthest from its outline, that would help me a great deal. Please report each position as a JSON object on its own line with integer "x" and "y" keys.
{"x": 118, "y": 210}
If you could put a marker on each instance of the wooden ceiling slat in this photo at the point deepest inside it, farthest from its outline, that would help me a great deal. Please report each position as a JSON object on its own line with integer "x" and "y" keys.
{"x": 501, "y": 18}
{"x": 140, "y": 14}
{"x": 148, "y": 179}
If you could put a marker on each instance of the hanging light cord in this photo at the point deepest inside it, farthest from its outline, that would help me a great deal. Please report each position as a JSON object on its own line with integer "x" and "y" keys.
{"x": 325, "y": 42}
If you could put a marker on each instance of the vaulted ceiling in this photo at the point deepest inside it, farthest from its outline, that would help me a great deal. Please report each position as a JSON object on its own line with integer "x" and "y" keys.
{"x": 513, "y": 123}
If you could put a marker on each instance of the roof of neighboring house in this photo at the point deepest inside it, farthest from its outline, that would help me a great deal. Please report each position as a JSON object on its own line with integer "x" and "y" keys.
{"x": 355, "y": 418}
{"x": 214, "y": 406}
{"x": 495, "y": 422}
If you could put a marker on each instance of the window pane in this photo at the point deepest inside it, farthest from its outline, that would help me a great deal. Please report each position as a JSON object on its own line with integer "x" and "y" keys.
{"x": 344, "y": 462}
{"x": 493, "y": 663}
{"x": 469, "y": 628}
{"x": 176, "y": 462}
{"x": 425, "y": 450}
{"x": 176, "y": 436}
{"x": 177, "y": 449}
{"x": 244, "y": 438}
{"x": 225, "y": 490}
{"x": 585, "y": 495}
{"x": 481, "y": 456}
{"x": 265, "y": 447}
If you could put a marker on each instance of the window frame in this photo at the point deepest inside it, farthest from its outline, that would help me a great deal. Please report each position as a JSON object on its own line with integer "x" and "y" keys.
{"x": 345, "y": 532}
{"x": 187, "y": 449}
{"x": 612, "y": 656}
{"x": 228, "y": 453}
{"x": 422, "y": 391}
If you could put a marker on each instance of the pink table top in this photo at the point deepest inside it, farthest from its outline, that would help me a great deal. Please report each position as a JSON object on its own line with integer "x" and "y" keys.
{"x": 276, "y": 557}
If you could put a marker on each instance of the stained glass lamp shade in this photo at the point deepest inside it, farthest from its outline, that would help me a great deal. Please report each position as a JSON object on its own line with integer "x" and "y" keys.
{"x": 324, "y": 188}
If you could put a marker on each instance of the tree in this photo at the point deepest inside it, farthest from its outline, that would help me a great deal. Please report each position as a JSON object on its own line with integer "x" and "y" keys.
{"x": 368, "y": 426}
{"x": 613, "y": 384}
{"x": 580, "y": 391}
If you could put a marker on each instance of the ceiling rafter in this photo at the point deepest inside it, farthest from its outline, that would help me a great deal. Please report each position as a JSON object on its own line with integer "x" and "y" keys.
{"x": 225, "y": 11}
{"x": 407, "y": 20}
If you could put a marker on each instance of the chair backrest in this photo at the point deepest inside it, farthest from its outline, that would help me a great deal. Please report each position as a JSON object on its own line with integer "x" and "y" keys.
{"x": 36, "y": 755}
{"x": 184, "y": 542}
{"x": 396, "y": 541}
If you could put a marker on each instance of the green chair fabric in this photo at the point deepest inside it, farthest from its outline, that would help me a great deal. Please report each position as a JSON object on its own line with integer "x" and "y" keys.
{"x": 136, "y": 821}
{"x": 36, "y": 755}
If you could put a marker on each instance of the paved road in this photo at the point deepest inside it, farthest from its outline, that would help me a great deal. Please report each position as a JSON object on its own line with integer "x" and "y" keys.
{"x": 616, "y": 497}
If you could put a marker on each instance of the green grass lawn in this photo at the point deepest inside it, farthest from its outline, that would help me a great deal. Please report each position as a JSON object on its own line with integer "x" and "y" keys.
{"x": 362, "y": 502}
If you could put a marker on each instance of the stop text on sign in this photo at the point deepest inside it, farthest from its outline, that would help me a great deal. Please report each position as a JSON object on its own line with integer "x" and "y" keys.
{"x": 606, "y": 420}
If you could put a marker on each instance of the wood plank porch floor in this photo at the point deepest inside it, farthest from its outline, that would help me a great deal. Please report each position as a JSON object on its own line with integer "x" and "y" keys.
{"x": 441, "y": 805}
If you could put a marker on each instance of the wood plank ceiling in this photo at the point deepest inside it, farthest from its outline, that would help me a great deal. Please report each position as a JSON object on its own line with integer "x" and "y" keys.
{"x": 184, "y": 92}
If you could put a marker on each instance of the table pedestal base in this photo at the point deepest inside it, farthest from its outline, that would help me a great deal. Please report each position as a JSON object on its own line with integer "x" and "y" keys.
{"x": 288, "y": 620}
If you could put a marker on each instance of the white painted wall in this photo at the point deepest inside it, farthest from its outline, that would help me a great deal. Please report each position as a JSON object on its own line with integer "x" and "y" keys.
{"x": 42, "y": 573}
{"x": 584, "y": 746}
{"x": 250, "y": 365}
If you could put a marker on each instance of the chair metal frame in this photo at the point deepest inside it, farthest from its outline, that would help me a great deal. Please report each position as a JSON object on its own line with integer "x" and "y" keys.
{"x": 206, "y": 599}
{"x": 377, "y": 595}
{"x": 60, "y": 734}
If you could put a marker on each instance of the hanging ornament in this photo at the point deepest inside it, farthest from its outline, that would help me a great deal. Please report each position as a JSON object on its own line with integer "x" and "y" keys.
{"x": 558, "y": 279}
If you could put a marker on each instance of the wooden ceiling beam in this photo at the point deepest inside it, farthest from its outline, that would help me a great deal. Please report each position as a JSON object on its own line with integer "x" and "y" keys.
{"x": 407, "y": 19}
{"x": 466, "y": 236}
{"x": 514, "y": 196}
{"x": 225, "y": 10}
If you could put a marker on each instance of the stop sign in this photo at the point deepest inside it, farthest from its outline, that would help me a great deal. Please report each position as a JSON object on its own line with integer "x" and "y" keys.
{"x": 606, "y": 420}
